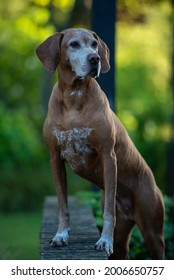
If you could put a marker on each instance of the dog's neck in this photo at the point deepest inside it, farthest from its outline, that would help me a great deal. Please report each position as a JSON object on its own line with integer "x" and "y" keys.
{"x": 78, "y": 94}
{"x": 68, "y": 79}
{"x": 74, "y": 91}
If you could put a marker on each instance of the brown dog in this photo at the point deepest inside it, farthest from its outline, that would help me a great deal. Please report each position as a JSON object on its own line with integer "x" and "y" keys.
{"x": 82, "y": 130}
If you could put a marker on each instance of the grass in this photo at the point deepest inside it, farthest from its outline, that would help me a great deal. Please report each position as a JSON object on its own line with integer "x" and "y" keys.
{"x": 19, "y": 236}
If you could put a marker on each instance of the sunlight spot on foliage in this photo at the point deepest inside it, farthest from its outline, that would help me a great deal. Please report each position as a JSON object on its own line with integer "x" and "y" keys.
{"x": 166, "y": 132}
{"x": 150, "y": 130}
{"x": 65, "y": 5}
{"x": 129, "y": 120}
{"x": 153, "y": 131}
{"x": 16, "y": 6}
{"x": 27, "y": 27}
{"x": 40, "y": 16}
{"x": 42, "y": 2}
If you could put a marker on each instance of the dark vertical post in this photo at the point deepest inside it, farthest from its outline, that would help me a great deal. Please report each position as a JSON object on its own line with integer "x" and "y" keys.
{"x": 103, "y": 23}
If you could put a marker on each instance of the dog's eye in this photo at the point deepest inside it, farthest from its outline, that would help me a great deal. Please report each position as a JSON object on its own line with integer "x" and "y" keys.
{"x": 94, "y": 44}
{"x": 75, "y": 44}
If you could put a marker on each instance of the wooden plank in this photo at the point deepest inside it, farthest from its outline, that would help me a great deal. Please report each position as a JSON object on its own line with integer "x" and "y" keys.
{"x": 83, "y": 233}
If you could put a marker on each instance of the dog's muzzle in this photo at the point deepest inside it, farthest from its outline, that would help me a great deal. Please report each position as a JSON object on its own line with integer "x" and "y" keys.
{"x": 94, "y": 62}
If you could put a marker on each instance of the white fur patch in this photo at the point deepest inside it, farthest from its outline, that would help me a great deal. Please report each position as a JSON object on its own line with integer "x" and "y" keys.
{"x": 77, "y": 93}
{"x": 105, "y": 244}
{"x": 61, "y": 238}
{"x": 74, "y": 145}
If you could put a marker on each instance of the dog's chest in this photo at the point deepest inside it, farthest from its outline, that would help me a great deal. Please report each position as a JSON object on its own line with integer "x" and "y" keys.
{"x": 74, "y": 145}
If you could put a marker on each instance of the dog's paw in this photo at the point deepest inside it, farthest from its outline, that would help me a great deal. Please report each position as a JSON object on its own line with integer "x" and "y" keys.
{"x": 60, "y": 239}
{"x": 105, "y": 244}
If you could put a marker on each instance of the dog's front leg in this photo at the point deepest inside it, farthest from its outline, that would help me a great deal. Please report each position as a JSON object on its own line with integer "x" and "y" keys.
{"x": 60, "y": 180}
{"x": 110, "y": 182}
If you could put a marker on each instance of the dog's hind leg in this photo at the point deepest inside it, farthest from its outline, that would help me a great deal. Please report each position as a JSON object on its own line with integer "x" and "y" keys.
{"x": 153, "y": 236}
{"x": 150, "y": 220}
{"x": 122, "y": 234}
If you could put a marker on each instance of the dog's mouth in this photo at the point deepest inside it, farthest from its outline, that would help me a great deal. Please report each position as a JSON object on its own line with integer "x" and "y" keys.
{"x": 80, "y": 77}
{"x": 93, "y": 72}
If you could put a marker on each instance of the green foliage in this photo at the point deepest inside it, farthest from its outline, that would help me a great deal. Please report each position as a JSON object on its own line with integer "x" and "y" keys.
{"x": 19, "y": 236}
{"x": 143, "y": 89}
{"x": 169, "y": 227}
{"x": 24, "y": 161}
{"x": 25, "y": 174}
{"x": 24, "y": 189}
{"x": 138, "y": 249}
{"x": 20, "y": 143}
{"x": 92, "y": 199}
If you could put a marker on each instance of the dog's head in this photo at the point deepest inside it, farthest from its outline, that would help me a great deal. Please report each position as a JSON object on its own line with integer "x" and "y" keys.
{"x": 79, "y": 50}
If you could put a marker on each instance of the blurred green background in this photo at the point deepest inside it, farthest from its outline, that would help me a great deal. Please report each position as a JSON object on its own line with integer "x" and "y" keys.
{"x": 143, "y": 102}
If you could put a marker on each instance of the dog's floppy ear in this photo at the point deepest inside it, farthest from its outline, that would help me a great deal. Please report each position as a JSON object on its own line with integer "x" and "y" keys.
{"x": 49, "y": 51}
{"x": 104, "y": 54}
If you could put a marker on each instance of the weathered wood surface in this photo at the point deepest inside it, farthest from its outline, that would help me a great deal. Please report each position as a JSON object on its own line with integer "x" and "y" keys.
{"x": 83, "y": 233}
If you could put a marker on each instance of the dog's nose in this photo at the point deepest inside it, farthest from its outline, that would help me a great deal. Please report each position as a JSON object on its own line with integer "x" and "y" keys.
{"x": 93, "y": 59}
